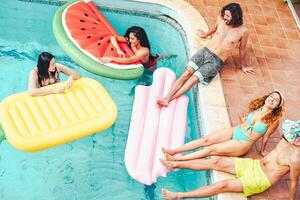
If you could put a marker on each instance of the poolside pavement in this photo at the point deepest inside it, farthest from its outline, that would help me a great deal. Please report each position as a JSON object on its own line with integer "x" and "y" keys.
{"x": 274, "y": 52}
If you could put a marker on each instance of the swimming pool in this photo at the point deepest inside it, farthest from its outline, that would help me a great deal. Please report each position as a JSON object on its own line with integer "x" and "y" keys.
{"x": 93, "y": 167}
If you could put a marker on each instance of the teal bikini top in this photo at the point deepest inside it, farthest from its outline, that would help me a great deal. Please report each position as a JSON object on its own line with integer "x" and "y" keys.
{"x": 260, "y": 128}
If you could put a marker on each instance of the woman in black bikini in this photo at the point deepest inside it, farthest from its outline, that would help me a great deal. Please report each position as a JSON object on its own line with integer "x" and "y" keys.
{"x": 47, "y": 73}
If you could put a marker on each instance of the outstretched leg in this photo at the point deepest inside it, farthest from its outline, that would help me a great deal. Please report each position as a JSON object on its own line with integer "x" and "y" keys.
{"x": 213, "y": 138}
{"x": 227, "y": 148}
{"x": 177, "y": 85}
{"x": 230, "y": 185}
{"x": 224, "y": 164}
{"x": 186, "y": 86}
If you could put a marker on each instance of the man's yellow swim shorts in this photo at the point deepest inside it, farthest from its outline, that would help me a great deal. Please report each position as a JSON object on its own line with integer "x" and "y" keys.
{"x": 250, "y": 173}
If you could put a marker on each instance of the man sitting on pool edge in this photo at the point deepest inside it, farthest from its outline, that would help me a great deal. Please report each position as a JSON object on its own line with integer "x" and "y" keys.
{"x": 228, "y": 33}
{"x": 252, "y": 176}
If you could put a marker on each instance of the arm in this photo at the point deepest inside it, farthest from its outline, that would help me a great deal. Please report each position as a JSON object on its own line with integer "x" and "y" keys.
{"x": 210, "y": 31}
{"x": 137, "y": 57}
{"x": 271, "y": 129}
{"x": 242, "y": 51}
{"x": 67, "y": 71}
{"x": 294, "y": 175}
{"x": 33, "y": 90}
{"x": 114, "y": 41}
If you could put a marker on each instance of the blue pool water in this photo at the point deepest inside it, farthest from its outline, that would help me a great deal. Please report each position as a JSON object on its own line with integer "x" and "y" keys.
{"x": 92, "y": 167}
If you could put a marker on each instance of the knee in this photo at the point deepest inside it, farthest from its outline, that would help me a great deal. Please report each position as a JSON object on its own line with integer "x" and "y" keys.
{"x": 217, "y": 162}
{"x": 187, "y": 74}
{"x": 194, "y": 79}
{"x": 223, "y": 186}
{"x": 206, "y": 140}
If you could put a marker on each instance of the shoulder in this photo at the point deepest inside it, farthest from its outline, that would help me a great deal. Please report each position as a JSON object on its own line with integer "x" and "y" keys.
{"x": 295, "y": 159}
{"x": 144, "y": 50}
{"x": 33, "y": 72}
{"x": 59, "y": 67}
{"x": 244, "y": 29}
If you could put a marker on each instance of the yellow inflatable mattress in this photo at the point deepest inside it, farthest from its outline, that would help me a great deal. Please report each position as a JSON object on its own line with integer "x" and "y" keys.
{"x": 36, "y": 123}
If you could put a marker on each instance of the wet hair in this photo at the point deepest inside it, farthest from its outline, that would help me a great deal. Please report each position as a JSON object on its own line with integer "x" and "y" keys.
{"x": 141, "y": 35}
{"x": 236, "y": 13}
{"x": 271, "y": 117}
{"x": 43, "y": 66}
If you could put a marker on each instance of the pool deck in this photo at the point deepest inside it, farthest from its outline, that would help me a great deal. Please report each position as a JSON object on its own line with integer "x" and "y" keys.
{"x": 274, "y": 51}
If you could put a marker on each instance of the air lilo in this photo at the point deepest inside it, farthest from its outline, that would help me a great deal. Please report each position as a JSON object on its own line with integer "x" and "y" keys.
{"x": 251, "y": 176}
{"x": 227, "y": 34}
{"x": 263, "y": 118}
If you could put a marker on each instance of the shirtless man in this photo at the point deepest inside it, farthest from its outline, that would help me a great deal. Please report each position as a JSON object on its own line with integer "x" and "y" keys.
{"x": 203, "y": 66}
{"x": 252, "y": 176}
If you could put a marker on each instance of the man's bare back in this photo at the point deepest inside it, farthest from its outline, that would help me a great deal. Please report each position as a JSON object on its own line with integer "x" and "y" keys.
{"x": 225, "y": 39}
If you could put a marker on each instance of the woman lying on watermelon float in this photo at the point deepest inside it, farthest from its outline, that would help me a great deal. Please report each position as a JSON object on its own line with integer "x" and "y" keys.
{"x": 136, "y": 38}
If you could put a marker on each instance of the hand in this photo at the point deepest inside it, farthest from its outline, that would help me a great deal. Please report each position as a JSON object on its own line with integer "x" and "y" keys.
{"x": 263, "y": 153}
{"x": 69, "y": 82}
{"x": 105, "y": 59}
{"x": 248, "y": 70}
{"x": 59, "y": 90}
{"x": 121, "y": 53}
{"x": 243, "y": 117}
{"x": 201, "y": 33}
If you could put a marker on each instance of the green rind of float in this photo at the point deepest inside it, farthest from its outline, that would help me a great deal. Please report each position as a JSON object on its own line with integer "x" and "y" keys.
{"x": 83, "y": 60}
{"x": 2, "y": 134}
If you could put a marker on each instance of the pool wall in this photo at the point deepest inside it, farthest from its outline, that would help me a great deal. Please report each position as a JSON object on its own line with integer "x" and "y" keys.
{"x": 212, "y": 110}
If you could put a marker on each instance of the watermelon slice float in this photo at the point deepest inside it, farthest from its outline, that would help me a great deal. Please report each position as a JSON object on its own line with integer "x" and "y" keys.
{"x": 84, "y": 34}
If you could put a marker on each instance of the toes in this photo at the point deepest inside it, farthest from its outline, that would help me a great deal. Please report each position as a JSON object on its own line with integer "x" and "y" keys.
{"x": 163, "y": 192}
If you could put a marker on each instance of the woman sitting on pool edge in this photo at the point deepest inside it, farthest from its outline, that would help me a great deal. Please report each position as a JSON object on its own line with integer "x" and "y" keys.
{"x": 263, "y": 118}
{"x": 47, "y": 73}
{"x": 137, "y": 40}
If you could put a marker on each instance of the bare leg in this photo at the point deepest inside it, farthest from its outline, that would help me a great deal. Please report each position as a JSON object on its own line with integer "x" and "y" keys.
{"x": 230, "y": 185}
{"x": 224, "y": 164}
{"x": 213, "y": 138}
{"x": 177, "y": 85}
{"x": 187, "y": 86}
{"x": 228, "y": 148}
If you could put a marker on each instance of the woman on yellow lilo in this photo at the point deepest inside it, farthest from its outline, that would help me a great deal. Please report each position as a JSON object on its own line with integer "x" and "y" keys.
{"x": 46, "y": 73}
{"x": 263, "y": 119}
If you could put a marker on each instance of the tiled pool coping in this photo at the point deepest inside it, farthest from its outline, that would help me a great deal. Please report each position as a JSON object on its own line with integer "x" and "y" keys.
{"x": 211, "y": 102}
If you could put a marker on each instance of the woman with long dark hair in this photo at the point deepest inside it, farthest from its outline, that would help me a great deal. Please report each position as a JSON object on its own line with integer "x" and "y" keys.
{"x": 264, "y": 114}
{"x": 136, "y": 38}
{"x": 46, "y": 73}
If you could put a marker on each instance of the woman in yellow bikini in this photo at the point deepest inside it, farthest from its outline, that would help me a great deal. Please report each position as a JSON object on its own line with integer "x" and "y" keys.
{"x": 263, "y": 119}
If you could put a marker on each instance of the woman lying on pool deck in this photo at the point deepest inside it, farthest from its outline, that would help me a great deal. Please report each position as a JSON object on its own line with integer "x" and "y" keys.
{"x": 263, "y": 118}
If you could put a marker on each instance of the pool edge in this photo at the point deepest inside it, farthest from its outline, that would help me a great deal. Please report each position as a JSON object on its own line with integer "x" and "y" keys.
{"x": 215, "y": 115}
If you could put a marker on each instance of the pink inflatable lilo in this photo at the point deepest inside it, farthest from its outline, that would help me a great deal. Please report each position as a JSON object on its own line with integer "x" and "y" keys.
{"x": 153, "y": 128}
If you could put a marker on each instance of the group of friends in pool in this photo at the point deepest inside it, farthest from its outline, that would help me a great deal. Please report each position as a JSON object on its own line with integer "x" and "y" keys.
{"x": 262, "y": 119}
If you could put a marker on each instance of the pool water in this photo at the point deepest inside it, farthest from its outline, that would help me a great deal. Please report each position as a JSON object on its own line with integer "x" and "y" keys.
{"x": 92, "y": 167}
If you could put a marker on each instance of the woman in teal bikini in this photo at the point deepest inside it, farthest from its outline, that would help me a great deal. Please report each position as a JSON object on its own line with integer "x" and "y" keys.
{"x": 263, "y": 119}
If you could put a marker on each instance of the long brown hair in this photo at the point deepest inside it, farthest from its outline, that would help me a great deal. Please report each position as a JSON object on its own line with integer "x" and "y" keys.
{"x": 271, "y": 117}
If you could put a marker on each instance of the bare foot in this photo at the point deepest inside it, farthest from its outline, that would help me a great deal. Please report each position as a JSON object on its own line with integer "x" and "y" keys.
{"x": 163, "y": 102}
{"x": 169, "y": 151}
{"x": 169, "y": 164}
{"x": 168, "y": 157}
{"x": 167, "y": 195}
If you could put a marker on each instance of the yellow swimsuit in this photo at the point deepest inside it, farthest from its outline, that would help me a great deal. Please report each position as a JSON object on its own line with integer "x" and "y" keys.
{"x": 252, "y": 176}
